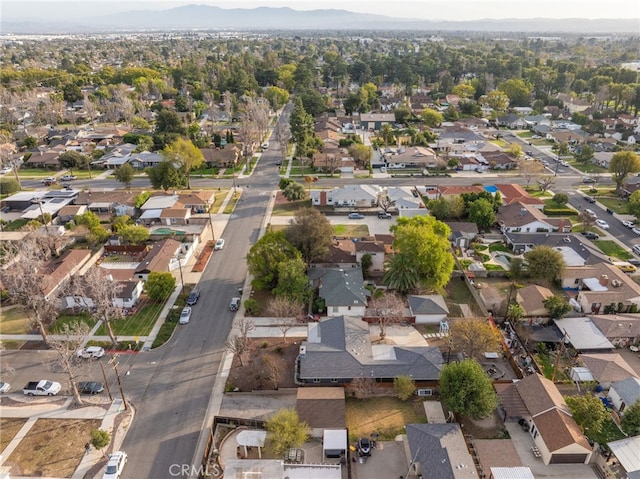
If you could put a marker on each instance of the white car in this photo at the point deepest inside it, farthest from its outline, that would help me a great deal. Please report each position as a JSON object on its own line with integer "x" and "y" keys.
{"x": 116, "y": 463}
{"x": 4, "y": 387}
{"x": 219, "y": 245}
{"x": 48, "y": 180}
{"x": 628, "y": 224}
{"x": 91, "y": 352}
{"x": 68, "y": 178}
{"x": 5, "y": 170}
{"x": 563, "y": 163}
{"x": 602, "y": 224}
{"x": 636, "y": 230}
{"x": 185, "y": 315}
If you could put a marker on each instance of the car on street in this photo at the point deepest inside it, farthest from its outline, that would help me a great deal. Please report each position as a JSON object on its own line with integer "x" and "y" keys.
{"x": 90, "y": 387}
{"x": 602, "y": 224}
{"x": 265, "y": 145}
{"x": 588, "y": 180}
{"x": 356, "y": 216}
{"x": 4, "y": 387}
{"x": 48, "y": 179}
{"x": 68, "y": 178}
{"x": 628, "y": 224}
{"x": 627, "y": 268}
{"x": 185, "y": 315}
{"x": 634, "y": 262}
{"x": 563, "y": 163}
{"x": 636, "y": 230}
{"x": 5, "y": 170}
{"x": 589, "y": 199}
{"x": 219, "y": 244}
{"x": 384, "y": 215}
{"x": 591, "y": 235}
{"x": 115, "y": 466}
{"x": 591, "y": 213}
{"x": 278, "y": 163}
{"x": 193, "y": 297}
{"x": 91, "y": 352}
{"x": 234, "y": 305}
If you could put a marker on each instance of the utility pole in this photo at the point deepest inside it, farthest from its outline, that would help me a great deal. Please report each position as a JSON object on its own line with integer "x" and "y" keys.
{"x": 559, "y": 352}
{"x": 213, "y": 236}
{"x": 114, "y": 362}
{"x": 106, "y": 383}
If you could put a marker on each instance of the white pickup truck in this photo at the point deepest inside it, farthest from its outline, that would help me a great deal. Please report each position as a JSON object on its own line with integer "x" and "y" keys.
{"x": 43, "y": 387}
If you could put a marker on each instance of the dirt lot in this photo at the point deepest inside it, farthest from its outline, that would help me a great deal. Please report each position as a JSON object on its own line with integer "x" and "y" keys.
{"x": 9, "y": 428}
{"x": 51, "y": 448}
{"x": 269, "y": 365}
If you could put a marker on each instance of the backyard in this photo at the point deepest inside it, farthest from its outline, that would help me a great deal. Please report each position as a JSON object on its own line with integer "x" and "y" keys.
{"x": 385, "y": 416}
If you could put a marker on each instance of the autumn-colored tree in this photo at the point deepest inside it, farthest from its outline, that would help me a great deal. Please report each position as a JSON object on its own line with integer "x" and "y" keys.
{"x": 474, "y": 337}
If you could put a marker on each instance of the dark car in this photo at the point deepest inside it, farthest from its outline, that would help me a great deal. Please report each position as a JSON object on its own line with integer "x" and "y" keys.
{"x": 193, "y": 297}
{"x": 589, "y": 199}
{"x": 589, "y": 180}
{"x": 384, "y": 215}
{"x": 90, "y": 387}
{"x": 590, "y": 235}
{"x": 364, "y": 446}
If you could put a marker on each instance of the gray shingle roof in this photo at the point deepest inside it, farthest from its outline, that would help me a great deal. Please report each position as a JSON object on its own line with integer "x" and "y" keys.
{"x": 628, "y": 390}
{"x": 429, "y": 445}
{"x": 340, "y": 287}
{"x": 428, "y": 304}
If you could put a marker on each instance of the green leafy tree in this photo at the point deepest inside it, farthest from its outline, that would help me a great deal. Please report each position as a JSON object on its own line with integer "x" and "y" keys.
{"x": 589, "y": 413}
{"x": 517, "y": 90}
{"x": 631, "y": 419}
{"x": 557, "y": 307}
{"x": 8, "y": 186}
{"x": 311, "y": 233}
{"x": 124, "y": 174}
{"x": 467, "y": 390}
{"x": 387, "y": 134}
{"x": 185, "y": 154}
{"x": 159, "y": 286}
{"x": 361, "y": 154}
{"x": 30, "y": 142}
{"x": 71, "y": 93}
{"x": 134, "y": 234}
{"x": 474, "y": 337}
{"x": 284, "y": 182}
{"x": 561, "y": 198}
{"x": 545, "y": 263}
{"x": 404, "y": 387}
{"x": 276, "y": 96}
{"x": 142, "y": 198}
{"x": 622, "y": 165}
{"x": 402, "y": 273}
{"x": 169, "y": 122}
{"x": 166, "y": 176}
{"x": 119, "y": 222}
{"x": 72, "y": 159}
{"x": 585, "y": 155}
{"x": 100, "y": 438}
{"x": 515, "y": 312}
{"x": 265, "y": 256}
{"x": 294, "y": 192}
{"x": 301, "y": 125}
{"x": 425, "y": 241}
{"x": 633, "y": 205}
{"x": 293, "y": 283}
{"x": 481, "y": 213}
{"x": 285, "y": 430}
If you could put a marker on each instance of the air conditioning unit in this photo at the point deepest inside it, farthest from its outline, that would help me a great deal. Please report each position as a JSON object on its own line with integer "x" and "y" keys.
{"x": 425, "y": 392}
{"x": 615, "y": 283}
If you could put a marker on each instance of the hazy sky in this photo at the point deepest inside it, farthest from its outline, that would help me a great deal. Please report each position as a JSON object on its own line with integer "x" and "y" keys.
{"x": 430, "y": 9}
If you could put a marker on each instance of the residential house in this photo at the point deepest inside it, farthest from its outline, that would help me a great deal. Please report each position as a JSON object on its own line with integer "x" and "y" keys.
{"x": 322, "y": 408}
{"x": 626, "y": 452}
{"x": 339, "y": 350}
{"x": 162, "y": 258}
{"x": 118, "y": 202}
{"x": 608, "y": 368}
{"x": 353, "y": 196}
{"x": 624, "y": 393}
{"x": 374, "y": 121}
{"x": 342, "y": 290}
{"x": 428, "y": 308}
{"x": 532, "y": 298}
{"x": 465, "y": 137}
{"x": 129, "y": 293}
{"x": 58, "y": 270}
{"x": 44, "y": 159}
{"x": 512, "y": 193}
{"x": 537, "y": 120}
{"x": 118, "y": 156}
{"x": 342, "y": 254}
{"x": 414, "y": 157}
{"x": 552, "y": 427}
{"x": 601, "y": 287}
{"x": 519, "y": 217}
{"x": 512, "y": 122}
{"x": 582, "y": 334}
{"x": 374, "y": 249}
{"x": 175, "y": 216}
{"x": 69, "y": 212}
{"x": 224, "y": 156}
{"x": 575, "y": 250}
{"x": 573, "y": 104}
{"x": 436, "y": 192}
{"x": 623, "y": 330}
{"x": 145, "y": 159}
{"x": 462, "y": 233}
{"x": 472, "y": 123}
{"x": 499, "y": 160}
{"x": 440, "y": 450}
{"x": 572, "y": 137}
{"x": 403, "y": 198}
{"x": 327, "y": 123}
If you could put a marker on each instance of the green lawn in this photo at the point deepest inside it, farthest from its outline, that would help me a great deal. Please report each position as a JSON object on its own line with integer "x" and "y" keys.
{"x": 609, "y": 433}
{"x": 383, "y": 415}
{"x": 499, "y": 247}
{"x": 72, "y": 318}
{"x": 351, "y": 230}
{"x": 138, "y": 324}
{"x": 616, "y": 204}
{"x": 290, "y": 207}
{"x": 14, "y": 321}
{"x": 231, "y": 204}
{"x": 16, "y": 225}
{"x": 611, "y": 248}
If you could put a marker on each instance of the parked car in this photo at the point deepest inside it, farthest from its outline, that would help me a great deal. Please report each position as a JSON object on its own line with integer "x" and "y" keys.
{"x": 44, "y": 387}
{"x": 91, "y": 352}
{"x": 90, "y": 387}
{"x": 265, "y": 145}
{"x": 356, "y": 216}
{"x": 602, "y": 224}
{"x": 636, "y": 230}
{"x": 219, "y": 245}
{"x": 235, "y": 304}
{"x": 589, "y": 199}
{"x": 628, "y": 224}
{"x": 185, "y": 315}
{"x": 563, "y": 163}
{"x": 591, "y": 213}
{"x": 193, "y": 297}
{"x": 48, "y": 180}
{"x": 116, "y": 463}
{"x": 627, "y": 268}
{"x": 590, "y": 235}
{"x": 68, "y": 178}
{"x": 589, "y": 180}
{"x": 4, "y": 387}
{"x": 384, "y": 215}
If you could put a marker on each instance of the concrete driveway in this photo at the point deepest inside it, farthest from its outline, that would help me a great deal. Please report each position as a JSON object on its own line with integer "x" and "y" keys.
{"x": 387, "y": 461}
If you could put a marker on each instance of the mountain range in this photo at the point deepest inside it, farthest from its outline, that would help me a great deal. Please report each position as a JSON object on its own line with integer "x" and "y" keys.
{"x": 205, "y": 17}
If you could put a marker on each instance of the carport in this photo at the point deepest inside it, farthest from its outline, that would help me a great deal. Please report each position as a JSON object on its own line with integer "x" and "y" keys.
{"x": 334, "y": 442}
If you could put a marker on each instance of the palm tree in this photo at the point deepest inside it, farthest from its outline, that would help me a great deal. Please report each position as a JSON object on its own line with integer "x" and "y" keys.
{"x": 402, "y": 274}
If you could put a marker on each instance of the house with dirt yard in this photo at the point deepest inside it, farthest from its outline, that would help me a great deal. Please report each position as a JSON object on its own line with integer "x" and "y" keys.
{"x": 556, "y": 435}
{"x": 339, "y": 350}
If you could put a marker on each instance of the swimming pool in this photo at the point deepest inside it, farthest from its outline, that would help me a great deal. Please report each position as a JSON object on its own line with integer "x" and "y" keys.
{"x": 168, "y": 231}
{"x": 490, "y": 189}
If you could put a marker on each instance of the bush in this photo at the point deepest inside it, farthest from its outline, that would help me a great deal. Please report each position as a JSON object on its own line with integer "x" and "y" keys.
{"x": 166, "y": 330}
{"x": 8, "y": 186}
{"x": 251, "y": 306}
{"x": 559, "y": 211}
{"x": 100, "y": 438}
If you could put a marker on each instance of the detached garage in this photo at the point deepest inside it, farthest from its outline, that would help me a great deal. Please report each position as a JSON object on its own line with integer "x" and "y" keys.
{"x": 334, "y": 443}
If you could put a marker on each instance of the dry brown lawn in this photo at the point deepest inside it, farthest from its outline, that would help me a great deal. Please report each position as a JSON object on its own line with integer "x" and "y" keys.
{"x": 52, "y": 448}
{"x": 9, "y": 427}
{"x": 383, "y": 415}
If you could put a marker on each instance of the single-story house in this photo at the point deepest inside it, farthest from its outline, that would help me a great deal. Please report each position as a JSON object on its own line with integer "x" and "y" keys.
{"x": 462, "y": 233}
{"x": 621, "y": 329}
{"x": 626, "y": 452}
{"x": 524, "y": 218}
{"x": 129, "y": 293}
{"x": 532, "y": 298}
{"x": 428, "y": 309}
{"x": 583, "y": 335}
{"x": 374, "y": 121}
{"x": 607, "y": 368}
{"x": 160, "y": 259}
{"x": 341, "y": 289}
{"x": 624, "y": 393}
{"x": 354, "y": 196}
